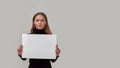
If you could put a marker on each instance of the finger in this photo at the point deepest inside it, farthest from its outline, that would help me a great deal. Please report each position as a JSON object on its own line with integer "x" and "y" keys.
{"x": 58, "y": 51}
{"x": 21, "y": 46}
{"x": 57, "y": 46}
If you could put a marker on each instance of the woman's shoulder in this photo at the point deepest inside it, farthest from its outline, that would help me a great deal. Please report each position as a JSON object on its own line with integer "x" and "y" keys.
{"x": 30, "y": 33}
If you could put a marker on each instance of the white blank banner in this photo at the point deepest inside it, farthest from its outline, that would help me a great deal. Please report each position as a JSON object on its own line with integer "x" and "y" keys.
{"x": 39, "y": 46}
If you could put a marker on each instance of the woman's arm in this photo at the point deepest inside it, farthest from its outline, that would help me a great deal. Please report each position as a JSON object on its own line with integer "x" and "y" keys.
{"x": 19, "y": 51}
{"x": 57, "y": 54}
{"x": 53, "y": 60}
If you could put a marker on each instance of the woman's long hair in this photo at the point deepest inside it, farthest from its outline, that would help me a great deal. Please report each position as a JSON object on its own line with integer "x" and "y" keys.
{"x": 46, "y": 28}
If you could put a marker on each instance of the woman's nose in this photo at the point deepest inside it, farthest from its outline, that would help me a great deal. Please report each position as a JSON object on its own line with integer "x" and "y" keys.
{"x": 39, "y": 22}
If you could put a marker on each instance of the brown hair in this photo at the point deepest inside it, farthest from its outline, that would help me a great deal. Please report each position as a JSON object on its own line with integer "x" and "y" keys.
{"x": 47, "y": 28}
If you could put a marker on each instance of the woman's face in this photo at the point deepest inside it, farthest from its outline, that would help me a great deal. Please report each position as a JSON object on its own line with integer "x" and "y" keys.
{"x": 40, "y": 22}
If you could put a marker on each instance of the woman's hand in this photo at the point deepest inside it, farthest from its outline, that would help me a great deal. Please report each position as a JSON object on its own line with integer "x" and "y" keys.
{"x": 19, "y": 50}
{"x": 57, "y": 50}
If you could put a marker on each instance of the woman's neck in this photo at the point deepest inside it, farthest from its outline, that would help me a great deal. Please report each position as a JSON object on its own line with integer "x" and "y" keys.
{"x": 38, "y": 31}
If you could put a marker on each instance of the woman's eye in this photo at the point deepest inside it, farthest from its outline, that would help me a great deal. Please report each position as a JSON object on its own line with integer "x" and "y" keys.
{"x": 42, "y": 20}
{"x": 37, "y": 20}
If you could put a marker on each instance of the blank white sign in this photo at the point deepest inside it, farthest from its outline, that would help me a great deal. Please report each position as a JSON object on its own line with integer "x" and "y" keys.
{"x": 40, "y": 46}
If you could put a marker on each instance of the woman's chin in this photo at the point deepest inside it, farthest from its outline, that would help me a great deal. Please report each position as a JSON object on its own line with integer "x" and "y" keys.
{"x": 39, "y": 28}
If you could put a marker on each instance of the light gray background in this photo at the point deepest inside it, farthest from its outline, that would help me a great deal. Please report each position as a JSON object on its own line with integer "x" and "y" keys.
{"x": 88, "y": 31}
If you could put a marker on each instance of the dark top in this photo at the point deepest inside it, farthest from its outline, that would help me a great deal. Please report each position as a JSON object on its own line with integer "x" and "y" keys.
{"x": 40, "y": 63}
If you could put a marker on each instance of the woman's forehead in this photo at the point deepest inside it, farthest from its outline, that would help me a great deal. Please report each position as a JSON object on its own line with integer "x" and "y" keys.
{"x": 40, "y": 16}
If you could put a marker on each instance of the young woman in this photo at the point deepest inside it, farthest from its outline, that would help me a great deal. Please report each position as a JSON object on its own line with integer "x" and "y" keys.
{"x": 39, "y": 26}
